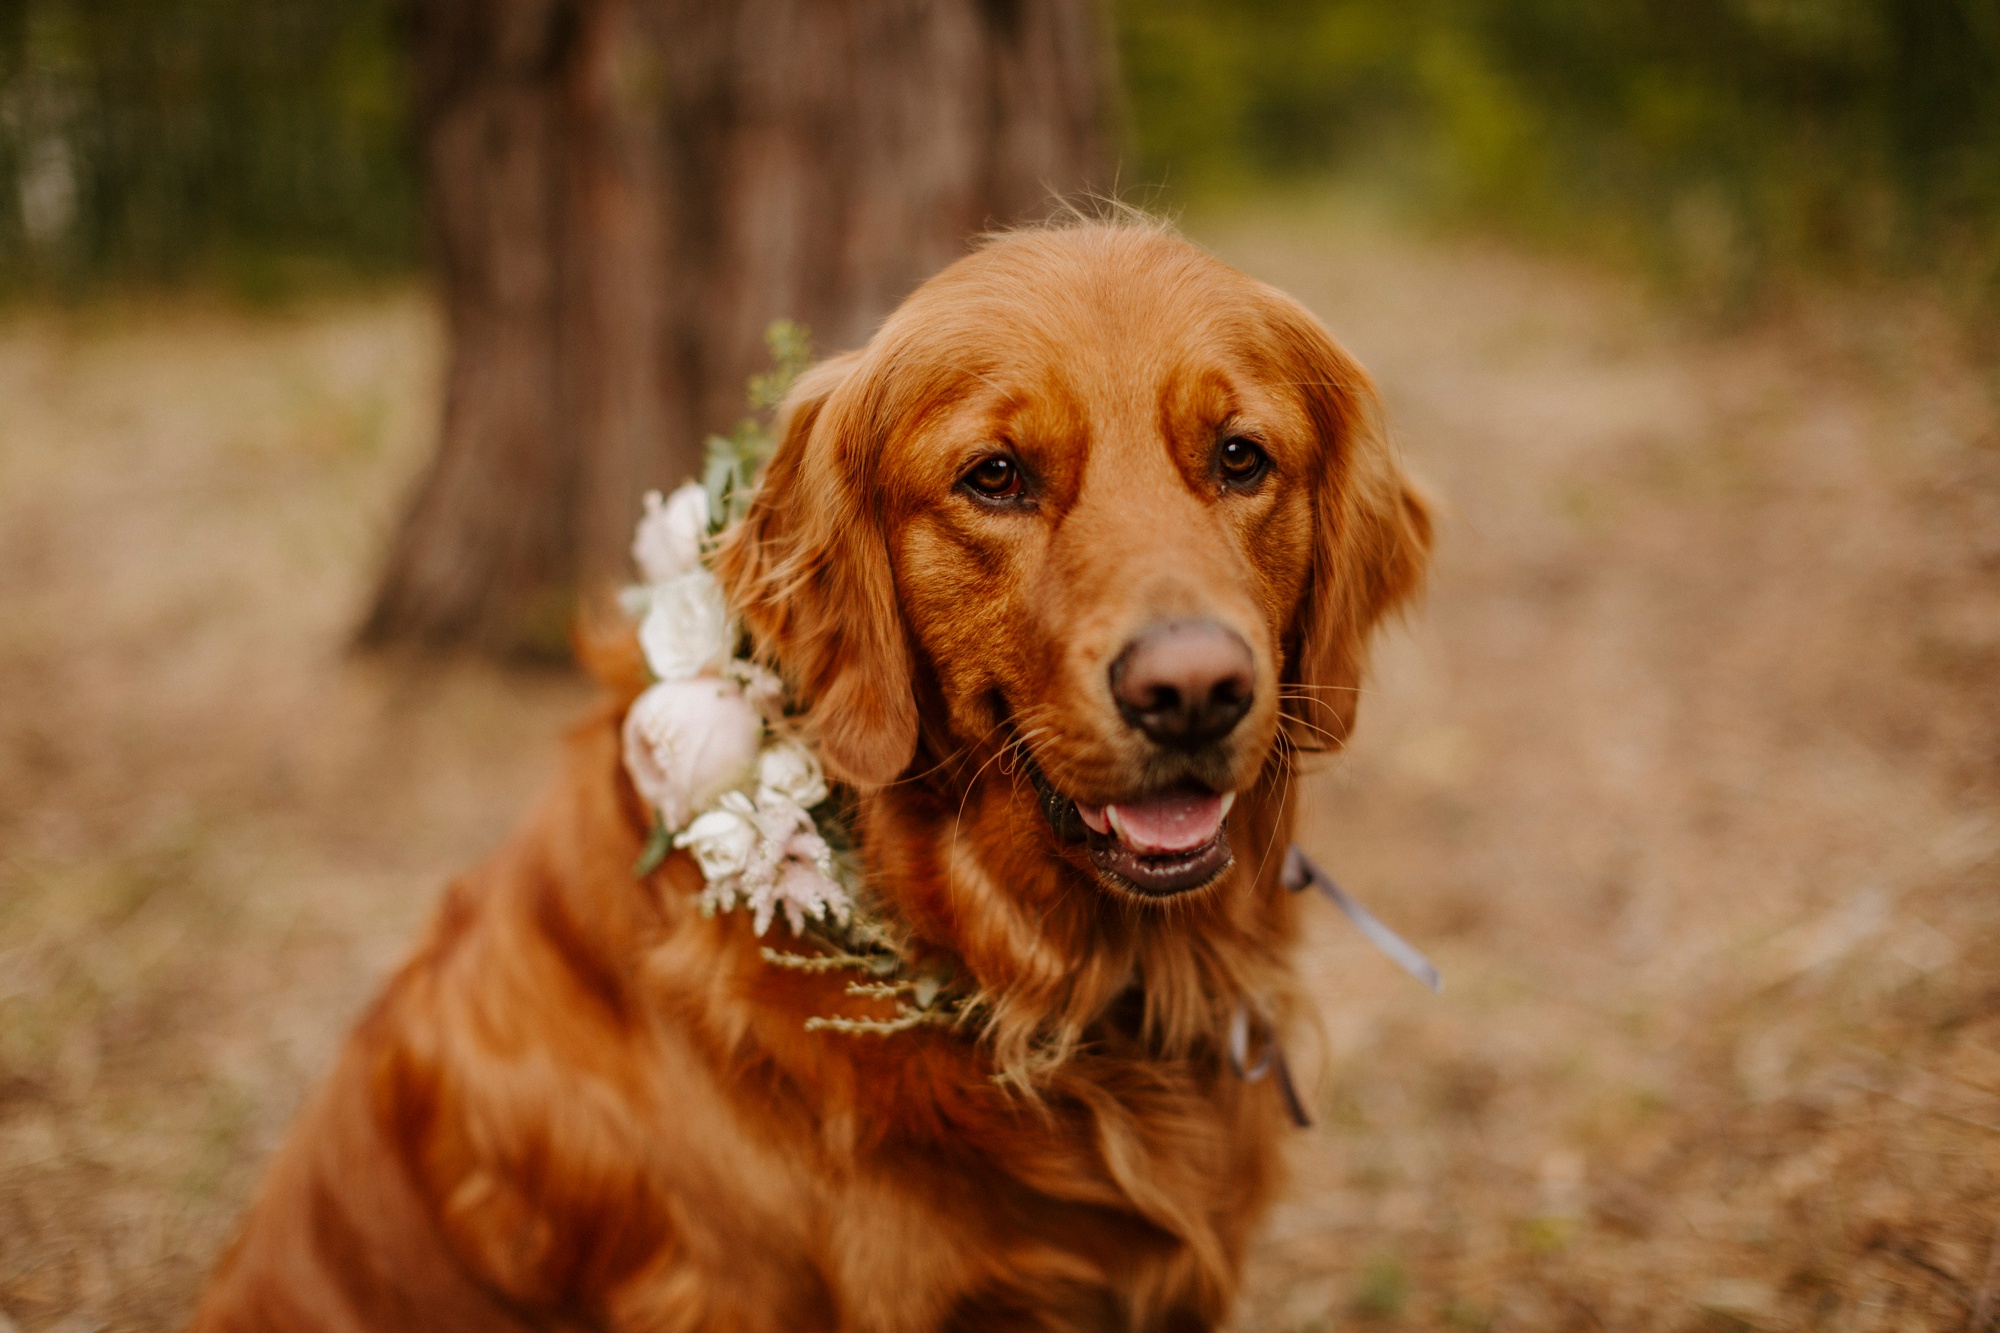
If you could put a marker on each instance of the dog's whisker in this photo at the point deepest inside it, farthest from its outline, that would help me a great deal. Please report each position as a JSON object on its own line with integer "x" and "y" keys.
{"x": 958, "y": 818}
{"x": 951, "y": 760}
{"x": 1332, "y": 740}
{"x": 1288, "y": 772}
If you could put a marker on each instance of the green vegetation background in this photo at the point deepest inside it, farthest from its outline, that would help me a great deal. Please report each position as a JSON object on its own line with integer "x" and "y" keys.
{"x": 263, "y": 143}
{"x": 259, "y": 144}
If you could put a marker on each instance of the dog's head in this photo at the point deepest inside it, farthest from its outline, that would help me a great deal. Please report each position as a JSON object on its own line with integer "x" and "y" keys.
{"x": 1090, "y": 491}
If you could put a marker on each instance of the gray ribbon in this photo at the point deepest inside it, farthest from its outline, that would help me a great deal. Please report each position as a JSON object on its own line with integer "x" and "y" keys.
{"x": 1239, "y": 1047}
{"x": 1271, "y": 1062}
{"x": 1300, "y": 873}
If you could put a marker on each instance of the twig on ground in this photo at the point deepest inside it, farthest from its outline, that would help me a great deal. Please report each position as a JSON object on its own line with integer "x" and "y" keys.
{"x": 1982, "y": 1305}
{"x": 1918, "y": 1104}
{"x": 1916, "y": 1258}
{"x": 1986, "y": 1125}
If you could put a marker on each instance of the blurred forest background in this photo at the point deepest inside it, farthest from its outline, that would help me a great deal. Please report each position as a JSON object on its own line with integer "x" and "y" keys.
{"x": 265, "y": 144}
{"x": 260, "y": 146}
{"x": 1686, "y": 773}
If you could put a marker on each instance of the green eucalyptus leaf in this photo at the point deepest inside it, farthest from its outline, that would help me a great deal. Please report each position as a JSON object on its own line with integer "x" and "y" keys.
{"x": 791, "y": 349}
{"x": 717, "y": 480}
{"x": 657, "y": 846}
{"x": 732, "y": 462}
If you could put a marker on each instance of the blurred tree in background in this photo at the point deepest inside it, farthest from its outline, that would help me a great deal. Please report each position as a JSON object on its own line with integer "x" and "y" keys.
{"x": 255, "y": 142}
{"x": 623, "y": 194}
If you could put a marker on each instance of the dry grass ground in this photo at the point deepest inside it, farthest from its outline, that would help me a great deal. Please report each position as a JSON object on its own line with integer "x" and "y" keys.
{"x": 1686, "y": 775}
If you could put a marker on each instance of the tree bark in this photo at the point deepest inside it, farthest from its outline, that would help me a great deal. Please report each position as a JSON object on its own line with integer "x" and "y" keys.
{"x": 624, "y": 194}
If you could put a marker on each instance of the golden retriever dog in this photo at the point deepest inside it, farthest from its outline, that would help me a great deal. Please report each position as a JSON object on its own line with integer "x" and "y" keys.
{"x": 1062, "y": 570}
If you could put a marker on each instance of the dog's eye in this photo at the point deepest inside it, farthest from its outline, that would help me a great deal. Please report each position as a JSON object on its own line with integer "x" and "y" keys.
{"x": 995, "y": 478}
{"x": 1242, "y": 463}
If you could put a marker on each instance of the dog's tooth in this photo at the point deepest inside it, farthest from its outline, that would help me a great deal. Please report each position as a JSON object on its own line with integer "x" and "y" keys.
{"x": 1117, "y": 824}
{"x": 1228, "y": 799}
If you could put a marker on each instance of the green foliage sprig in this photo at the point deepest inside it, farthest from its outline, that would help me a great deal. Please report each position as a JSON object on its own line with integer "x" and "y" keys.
{"x": 729, "y": 471}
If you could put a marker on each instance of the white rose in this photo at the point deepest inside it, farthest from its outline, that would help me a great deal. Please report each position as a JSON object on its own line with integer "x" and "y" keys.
{"x": 790, "y": 772}
{"x": 686, "y": 741}
{"x": 687, "y": 629}
{"x": 668, "y": 542}
{"x": 722, "y": 839}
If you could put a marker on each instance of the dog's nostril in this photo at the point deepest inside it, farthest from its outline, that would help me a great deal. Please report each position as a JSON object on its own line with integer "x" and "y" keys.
{"x": 1184, "y": 682}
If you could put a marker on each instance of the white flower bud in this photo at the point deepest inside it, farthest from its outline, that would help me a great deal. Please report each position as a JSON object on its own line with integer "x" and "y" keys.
{"x": 790, "y": 772}
{"x": 668, "y": 542}
{"x": 688, "y": 740}
{"x": 688, "y": 628}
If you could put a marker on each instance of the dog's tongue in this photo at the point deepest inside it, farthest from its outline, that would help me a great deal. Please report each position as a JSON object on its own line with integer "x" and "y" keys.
{"x": 1176, "y": 823}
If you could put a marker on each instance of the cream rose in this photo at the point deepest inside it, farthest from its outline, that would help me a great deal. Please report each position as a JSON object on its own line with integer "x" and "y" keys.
{"x": 668, "y": 542}
{"x": 722, "y": 839}
{"x": 688, "y": 628}
{"x": 686, "y": 741}
{"x": 788, "y": 771}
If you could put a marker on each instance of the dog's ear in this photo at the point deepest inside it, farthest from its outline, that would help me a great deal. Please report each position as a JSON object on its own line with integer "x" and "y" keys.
{"x": 809, "y": 569}
{"x": 1371, "y": 534}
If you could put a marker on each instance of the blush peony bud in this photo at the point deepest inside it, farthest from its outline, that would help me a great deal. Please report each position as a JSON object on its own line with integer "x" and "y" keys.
{"x": 688, "y": 628}
{"x": 686, "y": 741}
{"x": 668, "y": 542}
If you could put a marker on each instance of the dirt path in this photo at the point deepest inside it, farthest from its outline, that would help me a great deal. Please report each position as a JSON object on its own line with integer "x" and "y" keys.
{"x": 1685, "y": 775}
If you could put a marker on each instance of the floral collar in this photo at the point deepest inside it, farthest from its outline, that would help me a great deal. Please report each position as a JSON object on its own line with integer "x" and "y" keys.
{"x": 714, "y": 749}
{"x": 711, "y": 747}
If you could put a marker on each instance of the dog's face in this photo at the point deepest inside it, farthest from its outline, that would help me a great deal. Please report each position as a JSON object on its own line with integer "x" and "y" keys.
{"x": 1092, "y": 492}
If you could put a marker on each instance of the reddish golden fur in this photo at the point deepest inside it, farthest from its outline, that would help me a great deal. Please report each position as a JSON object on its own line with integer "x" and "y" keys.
{"x": 582, "y": 1104}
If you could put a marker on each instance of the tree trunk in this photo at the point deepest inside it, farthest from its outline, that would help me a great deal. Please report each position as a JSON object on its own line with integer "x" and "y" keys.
{"x": 624, "y": 194}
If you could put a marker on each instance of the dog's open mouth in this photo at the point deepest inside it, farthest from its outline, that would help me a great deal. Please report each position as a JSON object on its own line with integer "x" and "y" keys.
{"x": 1158, "y": 846}
{"x": 1162, "y": 845}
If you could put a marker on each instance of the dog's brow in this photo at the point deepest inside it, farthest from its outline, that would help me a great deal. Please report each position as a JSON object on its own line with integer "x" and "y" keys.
{"x": 1006, "y": 394}
{"x": 970, "y": 372}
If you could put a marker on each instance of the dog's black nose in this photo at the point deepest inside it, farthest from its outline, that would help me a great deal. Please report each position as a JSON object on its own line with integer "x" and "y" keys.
{"x": 1185, "y": 683}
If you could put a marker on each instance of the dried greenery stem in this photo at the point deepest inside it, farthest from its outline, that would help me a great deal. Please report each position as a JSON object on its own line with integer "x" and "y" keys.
{"x": 906, "y": 1019}
{"x": 828, "y": 962}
